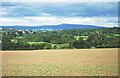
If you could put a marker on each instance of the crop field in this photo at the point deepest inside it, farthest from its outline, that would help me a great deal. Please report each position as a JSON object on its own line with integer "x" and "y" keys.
{"x": 76, "y": 62}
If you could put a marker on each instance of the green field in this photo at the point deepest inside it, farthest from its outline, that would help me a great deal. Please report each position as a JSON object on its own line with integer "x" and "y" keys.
{"x": 32, "y": 43}
{"x": 84, "y": 37}
{"x": 59, "y": 46}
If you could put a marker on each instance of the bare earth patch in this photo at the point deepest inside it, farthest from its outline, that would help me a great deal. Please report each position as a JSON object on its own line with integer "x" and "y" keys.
{"x": 76, "y": 62}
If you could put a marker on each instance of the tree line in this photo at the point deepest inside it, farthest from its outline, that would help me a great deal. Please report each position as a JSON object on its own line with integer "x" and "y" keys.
{"x": 13, "y": 39}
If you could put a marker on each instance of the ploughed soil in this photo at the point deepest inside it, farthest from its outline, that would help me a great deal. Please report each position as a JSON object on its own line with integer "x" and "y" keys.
{"x": 71, "y": 62}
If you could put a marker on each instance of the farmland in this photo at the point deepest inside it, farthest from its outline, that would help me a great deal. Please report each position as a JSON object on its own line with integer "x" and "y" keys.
{"x": 65, "y": 62}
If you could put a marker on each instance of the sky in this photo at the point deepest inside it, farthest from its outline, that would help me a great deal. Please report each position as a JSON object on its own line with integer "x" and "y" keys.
{"x": 54, "y": 13}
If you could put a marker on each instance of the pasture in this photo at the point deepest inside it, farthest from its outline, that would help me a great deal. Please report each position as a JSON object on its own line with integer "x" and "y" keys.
{"x": 71, "y": 62}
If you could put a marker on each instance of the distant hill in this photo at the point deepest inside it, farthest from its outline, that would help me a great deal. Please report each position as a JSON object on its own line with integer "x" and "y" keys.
{"x": 54, "y": 27}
